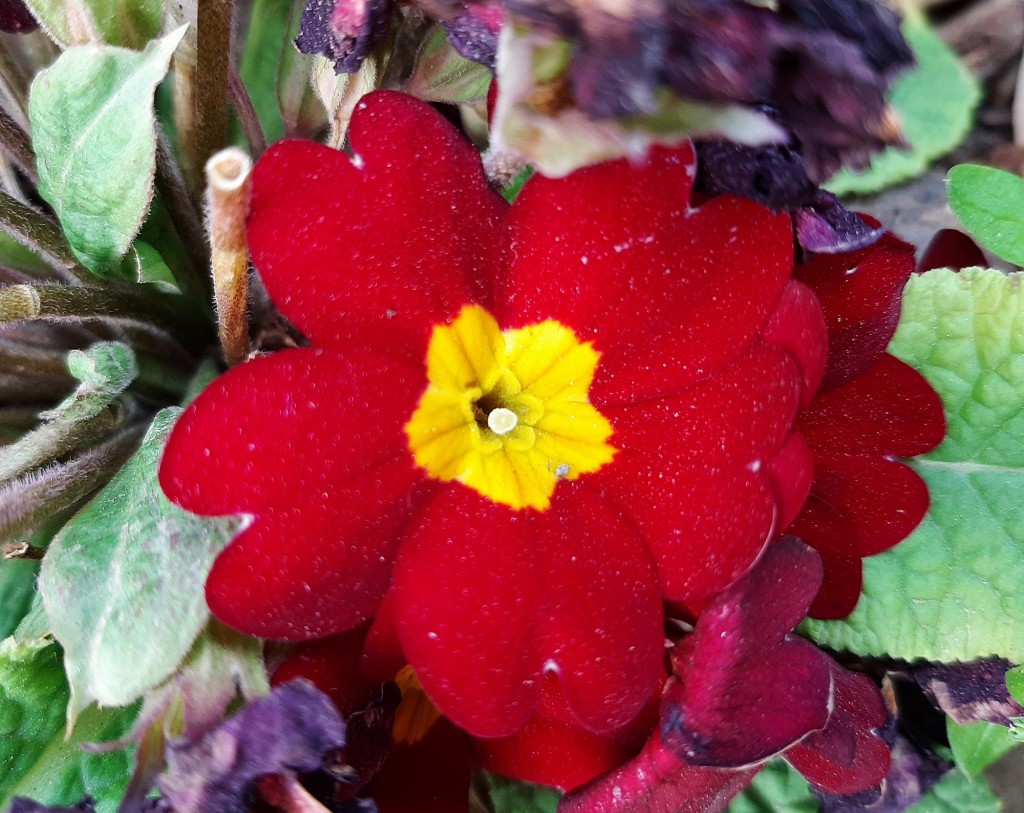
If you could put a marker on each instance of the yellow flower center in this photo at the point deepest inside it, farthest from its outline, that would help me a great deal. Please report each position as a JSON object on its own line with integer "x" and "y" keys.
{"x": 506, "y": 413}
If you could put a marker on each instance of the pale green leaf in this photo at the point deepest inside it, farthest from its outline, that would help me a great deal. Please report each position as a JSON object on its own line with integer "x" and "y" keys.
{"x": 990, "y": 204}
{"x": 935, "y": 100}
{"x": 35, "y": 758}
{"x": 978, "y": 745}
{"x": 270, "y": 34}
{"x": 952, "y": 591}
{"x": 778, "y": 787}
{"x": 93, "y": 133}
{"x": 123, "y": 582}
{"x": 1015, "y": 683}
{"x": 955, "y": 793}
{"x": 131, "y": 23}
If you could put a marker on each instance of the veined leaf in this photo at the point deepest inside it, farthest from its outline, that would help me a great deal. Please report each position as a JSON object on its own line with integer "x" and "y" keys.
{"x": 978, "y": 745}
{"x": 131, "y": 23}
{"x": 123, "y": 582}
{"x": 952, "y": 591}
{"x": 93, "y": 133}
{"x": 990, "y": 204}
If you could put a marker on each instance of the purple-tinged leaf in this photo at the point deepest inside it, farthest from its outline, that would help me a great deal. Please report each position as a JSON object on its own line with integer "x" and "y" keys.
{"x": 290, "y": 731}
{"x": 971, "y": 692}
{"x": 828, "y": 227}
{"x": 474, "y": 32}
{"x": 15, "y": 17}
{"x": 344, "y": 31}
{"x": 19, "y": 804}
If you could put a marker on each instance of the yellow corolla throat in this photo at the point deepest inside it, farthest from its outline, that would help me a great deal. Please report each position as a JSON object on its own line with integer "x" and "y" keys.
{"x": 507, "y": 413}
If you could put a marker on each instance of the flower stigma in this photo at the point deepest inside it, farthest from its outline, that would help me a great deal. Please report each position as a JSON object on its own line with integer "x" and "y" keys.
{"x": 507, "y": 413}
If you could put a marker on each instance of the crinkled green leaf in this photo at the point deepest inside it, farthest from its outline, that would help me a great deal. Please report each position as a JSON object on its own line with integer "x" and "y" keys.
{"x": 131, "y": 23}
{"x": 93, "y": 133}
{"x": 123, "y": 582}
{"x": 990, "y": 204}
{"x": 955, "y": 793}
{"x": 978, "y": 745}
{"x": 778, "y": 787}
{"x": 17, "y": 586}
{"x": 511, "y": 796}
{"x": 35, "y": 758}
{"x": 952, "y": 591}
{"x": 935, "y": 100}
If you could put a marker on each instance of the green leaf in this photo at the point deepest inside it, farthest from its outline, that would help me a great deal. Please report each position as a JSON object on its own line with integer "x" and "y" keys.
{"x": 93, "y": 133}
{"x": 442, "y": 74}
{"x": 776, "y": 788}
{"x": 145, "y": 265}
{"x": 35, "y": 758}
{"x": 990, "y": 204}
{"x": 123, "y": 582}
{"x": 512, "y": 796}
{"x": 955, "y": 793}
{"x": 952, "y": 591}
{"x": 17, "y": 587}
{"x": 270, "y": 33}
{"x": 131, "y": 23}
{"x": 1015, "y": 683}
{"x": 105, "y": 370}
{"x": 935, "y": 100}
{"x": 978, "y": 745}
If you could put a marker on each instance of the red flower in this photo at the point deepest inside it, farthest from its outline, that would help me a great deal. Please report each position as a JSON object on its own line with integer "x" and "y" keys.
{"x": 871, "y": 409}
{"x": 746, "y": 688}
{"x": 533, "y": 422}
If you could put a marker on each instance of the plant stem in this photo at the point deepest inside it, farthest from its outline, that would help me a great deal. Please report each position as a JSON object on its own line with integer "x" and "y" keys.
{"x": 64, "y": 302}
{"x": 44, "y": 237}
{"x": 54, "y": 439}
{"x": 213, "y": 54}
{"x": 15, "y": 142}
{"x": 20, "y": 358}
{"x": 30, "y": 501}
{"x": 247, "y": 115}
{"x": 187, "y": 223}
{"x": 228, "y": 185}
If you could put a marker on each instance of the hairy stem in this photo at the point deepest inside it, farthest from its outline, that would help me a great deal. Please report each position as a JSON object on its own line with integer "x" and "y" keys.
{"x": 213, "y": 54}
{"x": 44, "y": 237}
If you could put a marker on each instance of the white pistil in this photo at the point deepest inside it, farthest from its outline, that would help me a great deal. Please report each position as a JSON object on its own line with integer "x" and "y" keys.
{"x": 501, "y": 421}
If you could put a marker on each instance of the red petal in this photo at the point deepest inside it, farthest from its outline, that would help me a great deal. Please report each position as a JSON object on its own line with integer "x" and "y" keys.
{"x": 840, "y": 590}
{"x": 553, "y": 750}
{"x": 847, "y": 756}
{"x": 861, "y": 293}
{"x": 333, "y": 665}
{"x": 705, "y": 450}
{"x": 486, "y": 598}
{"x": 888, "y": 410}
{"x": 950, "y": 248}
{"x": 657, "y": 782}
{"x": 372, "y": 254}
{"x": 667, "y": 293}
{"x": 601, "y": 630}
{"x": 799, "y": 326}
{"x": 467, "y": 590}
{"x": 883, "y": 499}
{"x": 317, "y": 555}
{"x": 431, "y": 776}
{"x": 747, "y": 688}
{"x": 791, "y": 470}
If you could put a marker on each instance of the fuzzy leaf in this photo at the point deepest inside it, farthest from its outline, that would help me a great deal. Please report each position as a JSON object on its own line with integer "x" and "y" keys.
{"x": 990, "y": 204}
{"x": 17, "y": 586}
{"x": 270, "y": 34}
{"x": 123, "y": 582}
{"x": 511, "y": 796}
{"x": 955, "y": 793}
{"x": 936, "y": 102}
{"x": 951, "y": 592}
{"x": 978, "y": 745}
{"x": 93, "y": 133}
{"x": 441, "y": 74}
{"x": 35, "y": 758}
{"x": 131, "y": 23}
{"x": 777, "y": 787}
